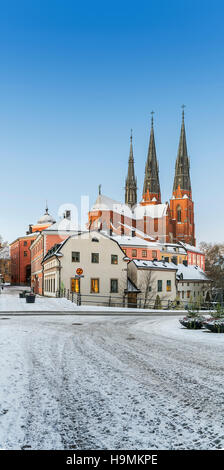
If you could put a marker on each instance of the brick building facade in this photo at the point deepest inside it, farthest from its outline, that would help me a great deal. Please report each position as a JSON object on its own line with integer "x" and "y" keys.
{"x": 20, "y": 251}
{"x": 150, "y": 219}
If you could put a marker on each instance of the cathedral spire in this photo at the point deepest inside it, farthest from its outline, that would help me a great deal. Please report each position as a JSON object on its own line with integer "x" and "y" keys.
{"x": 182, "y": 168}
{"x": 131, "y": 181}
{"x": 151, "y": 188}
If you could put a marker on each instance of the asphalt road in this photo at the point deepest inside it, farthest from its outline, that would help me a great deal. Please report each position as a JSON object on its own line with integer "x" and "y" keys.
{"x": 109, "y": 383}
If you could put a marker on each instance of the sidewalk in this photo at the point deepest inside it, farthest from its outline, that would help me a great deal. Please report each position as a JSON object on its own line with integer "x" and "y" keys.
{"x": 13, "y": 305}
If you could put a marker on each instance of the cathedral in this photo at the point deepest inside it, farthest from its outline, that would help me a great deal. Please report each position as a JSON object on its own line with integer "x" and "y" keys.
{"x": 150, "y": 219}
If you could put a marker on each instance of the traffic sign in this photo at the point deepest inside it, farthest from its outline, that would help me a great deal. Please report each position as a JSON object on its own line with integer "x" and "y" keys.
{"x": 79, "y": 271}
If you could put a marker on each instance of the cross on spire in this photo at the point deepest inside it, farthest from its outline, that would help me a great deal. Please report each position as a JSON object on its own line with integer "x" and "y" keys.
{"x": 152, "y": 112}
{"x": 183, "y": 106}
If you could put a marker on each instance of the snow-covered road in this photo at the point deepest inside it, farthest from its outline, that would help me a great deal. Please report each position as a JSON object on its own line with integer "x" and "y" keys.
{"x": 109, "y": 383}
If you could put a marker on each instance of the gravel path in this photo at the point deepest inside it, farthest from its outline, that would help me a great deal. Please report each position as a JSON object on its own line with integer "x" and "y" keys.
{"x": 109, "y": 383}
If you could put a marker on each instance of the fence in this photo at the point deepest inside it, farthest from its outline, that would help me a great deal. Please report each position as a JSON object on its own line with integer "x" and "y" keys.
{"x": 141, "y": 302}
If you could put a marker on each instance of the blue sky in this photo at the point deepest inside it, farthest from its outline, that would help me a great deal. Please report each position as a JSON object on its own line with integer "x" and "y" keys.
{"x": 75, "y": 77}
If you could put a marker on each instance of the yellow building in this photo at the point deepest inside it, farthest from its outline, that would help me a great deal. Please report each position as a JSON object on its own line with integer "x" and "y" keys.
{"x": 173, "y": 252}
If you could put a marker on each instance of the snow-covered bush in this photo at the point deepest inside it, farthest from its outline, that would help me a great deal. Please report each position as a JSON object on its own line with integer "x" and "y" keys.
{"x": 215, "y": 325}
{"x": 192, "y": 322}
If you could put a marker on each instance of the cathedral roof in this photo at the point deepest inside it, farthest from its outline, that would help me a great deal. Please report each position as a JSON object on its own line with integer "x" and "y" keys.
{"x": 104, "y": 203}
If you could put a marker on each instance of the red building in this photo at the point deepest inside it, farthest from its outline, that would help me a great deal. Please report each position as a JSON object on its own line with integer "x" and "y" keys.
{"x": 151, "y": 219}
{"x": 20, "y": 251}
{"x": 45, "y": 240}
{"x": 20, "y": 259}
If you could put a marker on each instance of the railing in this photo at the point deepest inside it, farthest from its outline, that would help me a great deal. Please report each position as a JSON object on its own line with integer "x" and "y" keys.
{"x": 141, "y": 302}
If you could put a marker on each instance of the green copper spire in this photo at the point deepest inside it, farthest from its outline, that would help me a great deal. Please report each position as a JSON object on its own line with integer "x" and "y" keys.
{"x": 151, "y": 181}
{"x": 182, "y": 168}
{"x": 131, "y": 181}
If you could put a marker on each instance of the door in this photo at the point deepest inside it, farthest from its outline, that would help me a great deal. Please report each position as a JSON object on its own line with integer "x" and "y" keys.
{"x": 132, "y": 299}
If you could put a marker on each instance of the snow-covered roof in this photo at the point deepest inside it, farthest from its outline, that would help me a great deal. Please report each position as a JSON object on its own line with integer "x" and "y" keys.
{"x": 142, "y": 264}
{"x": 64, "y": 225}
{"x": 106, "y": 203}
{"x": 190, "y": 273}
{"x": 191, "y": 248}
{"x": 54, "y": 250}
{"x": 174, "y": 248}
{"x": 131, "y": 287}
{"x": 124, "y": 240}
{"x": 5, "y": 252}
{"x": 152, "y": 210}
{"x": 136, "y": 230}
{"x": 143, "y": 235}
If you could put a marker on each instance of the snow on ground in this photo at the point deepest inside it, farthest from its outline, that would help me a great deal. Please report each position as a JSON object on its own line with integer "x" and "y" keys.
{"x": 10, "y": 302}
{"x": 100, "y": 382}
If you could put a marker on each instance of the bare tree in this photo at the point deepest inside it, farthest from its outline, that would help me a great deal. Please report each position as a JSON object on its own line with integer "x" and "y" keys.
{"x": 214, "y": 263}
{"x": 150, "y": 294}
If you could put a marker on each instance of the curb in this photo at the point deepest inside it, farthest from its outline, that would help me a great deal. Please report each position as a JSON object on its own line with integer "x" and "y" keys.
{"x": 89, "y": 313}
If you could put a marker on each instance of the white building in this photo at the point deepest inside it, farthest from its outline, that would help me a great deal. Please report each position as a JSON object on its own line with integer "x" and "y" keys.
{"x": 97, "y": 257}
{"x": 192, "y": 283}
{"x": 153, "y": 279}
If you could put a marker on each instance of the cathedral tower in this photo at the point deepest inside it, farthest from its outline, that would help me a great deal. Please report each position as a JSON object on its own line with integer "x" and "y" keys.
{"x": 131, "y": 181}
{"x": 181, "y": 204}
{"x": 151, "y": 189}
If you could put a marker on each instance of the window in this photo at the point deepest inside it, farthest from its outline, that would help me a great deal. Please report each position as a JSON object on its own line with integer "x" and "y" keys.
{"x": 134, "y": 253}
{"x": 114, "y": 286}
{"x": 114, "y": 259}
{"x": 160, "y": 285}
{"x": 25, "y": 253}
{"x": 144, "y": 253}
{"x": 95, "y": 286}
{"x": 75, "y": 256}
{"x": 75, "y": 285}
{"x": 95, "y": 257}
{"x": 182, "y": 294}
{"x": 155, "y": 225}
{"x": 188, "y": 294}
{"x": 25, "y": 244}
{"x": 154, "y": 254}
{"x": 178, "y": 214}
{"x": 168, "y": 285}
